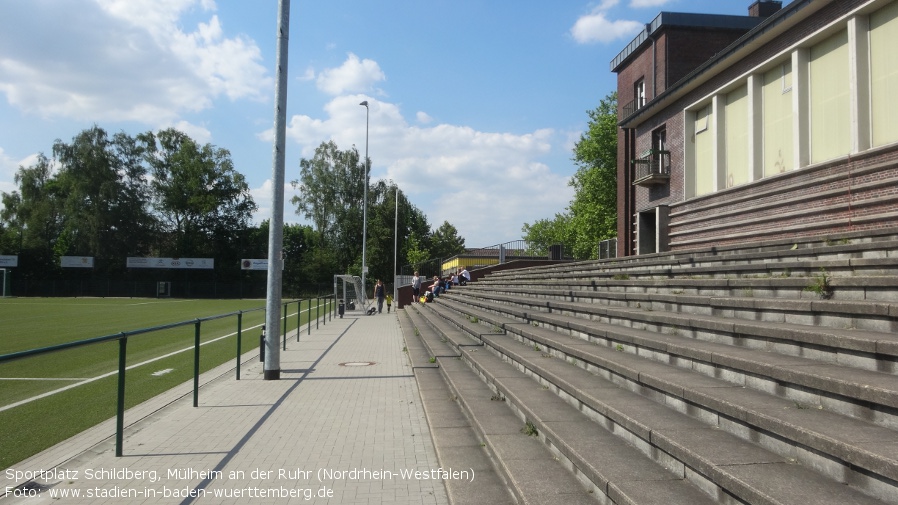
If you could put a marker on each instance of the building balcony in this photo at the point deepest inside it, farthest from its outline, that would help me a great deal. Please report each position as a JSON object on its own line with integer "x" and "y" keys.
{"x": 630, "y": 108}
{"x": 652, "y": 168}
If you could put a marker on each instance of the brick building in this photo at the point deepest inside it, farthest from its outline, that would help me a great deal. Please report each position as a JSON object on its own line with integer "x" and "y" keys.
{"x": 773, "y": 125}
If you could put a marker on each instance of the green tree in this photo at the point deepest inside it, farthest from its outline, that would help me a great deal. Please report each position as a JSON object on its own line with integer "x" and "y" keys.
{"x": 106, "y": 195}
{"x": 416, "y": 254}
{"x": 201, "y": 199}
{"x": 331, "y": 188}
{"x": 592, "y": 214}
{"x": 331, "y": 196}
{"x": 445, "y": 241}
{"x": 546, "y": 232}
{"x": 33, "y": 216}
{"x": 382, "y": 228}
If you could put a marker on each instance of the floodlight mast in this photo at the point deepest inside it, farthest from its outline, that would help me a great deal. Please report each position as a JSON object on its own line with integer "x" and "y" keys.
{"x": 365, "y": 202}
{"x": 272, "y": 365}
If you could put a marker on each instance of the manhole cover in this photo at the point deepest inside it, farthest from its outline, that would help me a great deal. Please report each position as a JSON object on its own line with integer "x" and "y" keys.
{"x": 358, "y": 363}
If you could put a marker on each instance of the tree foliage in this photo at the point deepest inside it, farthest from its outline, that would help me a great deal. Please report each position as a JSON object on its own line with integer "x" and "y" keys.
{"x": 331, "y": 196}
{"x": 106, "y": 198}
{"x": 445, "y": 241}
{"x": 95, "y": 198}
{"x": 198, "y": 194}
{"x": 164, "y": 194}
{"x": 592, "y": 214}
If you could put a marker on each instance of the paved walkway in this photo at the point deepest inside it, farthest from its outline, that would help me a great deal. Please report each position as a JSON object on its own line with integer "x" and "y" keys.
{"x": 343, "y": 425}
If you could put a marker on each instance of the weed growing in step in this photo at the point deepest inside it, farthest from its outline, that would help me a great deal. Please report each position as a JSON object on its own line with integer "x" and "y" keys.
{"x": 530, "y": 430}
{"x": 820, "y": 285}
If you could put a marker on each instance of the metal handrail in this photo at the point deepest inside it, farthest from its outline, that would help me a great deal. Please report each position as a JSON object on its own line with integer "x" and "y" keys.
{"x": 122, "y": 338}
{"x": 515, "y": 249}
{"x": 651, "y": 162}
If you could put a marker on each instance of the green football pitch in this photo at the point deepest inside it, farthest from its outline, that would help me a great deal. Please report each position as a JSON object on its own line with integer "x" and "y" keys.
{"x": 46, "y": 399}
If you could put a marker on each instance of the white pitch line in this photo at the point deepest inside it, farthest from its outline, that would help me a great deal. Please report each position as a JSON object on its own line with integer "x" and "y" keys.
{"x": 110, "y": 374}
{"x": 42, "y": 378}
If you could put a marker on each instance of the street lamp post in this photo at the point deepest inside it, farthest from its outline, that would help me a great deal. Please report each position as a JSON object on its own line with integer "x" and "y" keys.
{"x": 396, "y": 250}
{"x": 365, "y": 204}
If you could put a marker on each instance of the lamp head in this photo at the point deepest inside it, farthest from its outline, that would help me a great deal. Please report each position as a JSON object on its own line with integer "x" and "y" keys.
{"x": 365, "y": 103}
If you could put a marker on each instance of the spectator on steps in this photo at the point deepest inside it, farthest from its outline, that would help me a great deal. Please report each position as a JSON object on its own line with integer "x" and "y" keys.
{"x": 464, "y": 277}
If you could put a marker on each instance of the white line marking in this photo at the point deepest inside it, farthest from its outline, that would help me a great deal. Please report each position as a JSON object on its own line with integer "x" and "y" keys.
{"x": 42, "y": 378}
{"x": 110, "y": 374}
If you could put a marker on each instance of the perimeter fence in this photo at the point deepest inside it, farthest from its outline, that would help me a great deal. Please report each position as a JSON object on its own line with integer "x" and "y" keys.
{"x": 35, "y": 419}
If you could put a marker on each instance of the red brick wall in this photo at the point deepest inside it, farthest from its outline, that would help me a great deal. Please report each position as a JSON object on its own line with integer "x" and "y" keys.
{"x": 853, "y": 194}
{"x": 694, "y": 220}
{"x": 688, "y": 49}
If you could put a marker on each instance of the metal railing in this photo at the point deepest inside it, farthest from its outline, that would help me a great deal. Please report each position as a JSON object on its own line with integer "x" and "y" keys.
{"x": 608, "y": 248}
{"x": 651, "y": 164}
{"x": 328, "y": 304}
{"x": 485, "y": 256}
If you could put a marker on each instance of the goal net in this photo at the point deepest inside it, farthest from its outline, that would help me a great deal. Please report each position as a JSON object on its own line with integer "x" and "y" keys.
{"x": 350, "y": 291}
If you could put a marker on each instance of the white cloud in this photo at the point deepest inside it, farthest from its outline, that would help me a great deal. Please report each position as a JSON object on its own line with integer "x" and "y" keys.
{"x": 353, "y": 76}
{"x": 308, "y": 75}
{"x": 200, "y": 134}
{"x": 9, "y": 167}
{"x": 637, "y": 4}
{"x": 133, "y": 61}
{"x": 262, "y": 196}
{"x": 423, "y": 117}
{"x": 596, "y": 27}
{"x": 485, "y": 183}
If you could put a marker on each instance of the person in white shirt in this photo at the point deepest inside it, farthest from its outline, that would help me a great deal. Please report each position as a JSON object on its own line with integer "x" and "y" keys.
{"x": 464, "y": 277}
{"x": 416, "y": 288}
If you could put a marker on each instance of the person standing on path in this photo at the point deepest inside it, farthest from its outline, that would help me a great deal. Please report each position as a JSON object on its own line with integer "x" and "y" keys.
{"x": 379, "y": 293}
{"x": 416, "y": 288}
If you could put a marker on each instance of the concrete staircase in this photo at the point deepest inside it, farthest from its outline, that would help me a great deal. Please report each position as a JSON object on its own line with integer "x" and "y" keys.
{"x": 761, "y": 375}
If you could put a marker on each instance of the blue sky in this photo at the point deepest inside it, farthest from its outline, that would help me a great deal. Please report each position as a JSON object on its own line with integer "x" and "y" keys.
{"x": 475, "y": 104}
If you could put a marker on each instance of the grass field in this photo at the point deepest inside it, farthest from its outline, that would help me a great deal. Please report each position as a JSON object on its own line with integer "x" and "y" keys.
{"x": 157, "y": 361}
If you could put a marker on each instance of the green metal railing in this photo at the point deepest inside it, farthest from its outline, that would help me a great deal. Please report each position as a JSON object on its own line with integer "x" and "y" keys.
{"x": 328, "y": 303}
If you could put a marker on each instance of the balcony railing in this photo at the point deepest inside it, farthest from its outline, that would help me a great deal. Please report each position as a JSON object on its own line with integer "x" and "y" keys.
{"x": 630, "y": 108}
{"x": 651, "y": 168}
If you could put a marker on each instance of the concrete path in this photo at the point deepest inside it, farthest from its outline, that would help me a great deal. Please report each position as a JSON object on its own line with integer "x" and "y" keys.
{"x": 344, "y": 425}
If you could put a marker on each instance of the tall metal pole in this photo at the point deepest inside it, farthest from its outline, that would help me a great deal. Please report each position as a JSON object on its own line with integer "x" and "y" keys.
{"x": 396, "y": 251}
{"x": 365, "y": 203}
{"x": 272, "y": 366}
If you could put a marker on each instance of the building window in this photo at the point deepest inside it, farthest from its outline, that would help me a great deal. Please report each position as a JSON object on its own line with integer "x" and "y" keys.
{"x": 736, "y": 120}
{"x": 704, "y": 151}
{"x": 830, "y": 99}
{"x": 786, "y": 76}
{"x": 884, "y": 74}
{"x": 777, "y": 120}
{"x": 659, "y": 140}
{"x": 639, "y": 93}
